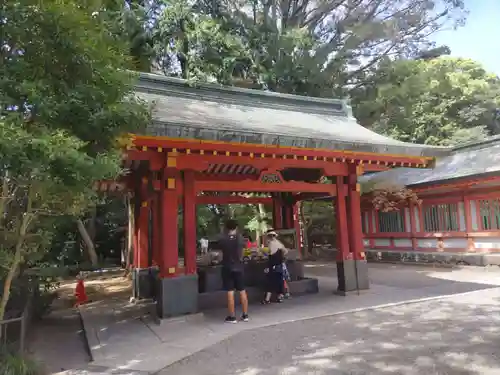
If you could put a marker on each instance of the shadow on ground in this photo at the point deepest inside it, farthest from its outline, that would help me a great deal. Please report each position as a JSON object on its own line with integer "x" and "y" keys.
{"x": 412, "y": 277}
{"x": 457, "y": 336}
{"x": 405, "y": 339}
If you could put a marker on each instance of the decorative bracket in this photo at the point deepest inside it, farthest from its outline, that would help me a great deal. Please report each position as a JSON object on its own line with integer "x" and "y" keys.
{"x": 271, "y": 176}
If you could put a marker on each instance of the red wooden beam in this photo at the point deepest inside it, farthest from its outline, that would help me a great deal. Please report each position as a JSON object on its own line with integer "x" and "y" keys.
{"x": 223, "y": 147}
{"x": 225, "y": 177}
{"x": 257, "y": 186}
{"x": 207, "y": 199}
{"x": 201, "y": 162}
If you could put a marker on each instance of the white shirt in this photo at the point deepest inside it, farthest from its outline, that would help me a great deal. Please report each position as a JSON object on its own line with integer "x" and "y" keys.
{"x": 274, "y": 245}
{"x": 204, "y": 242}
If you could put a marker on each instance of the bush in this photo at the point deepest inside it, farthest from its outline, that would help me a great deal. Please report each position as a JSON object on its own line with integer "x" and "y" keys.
{"x": 15, "y": 364}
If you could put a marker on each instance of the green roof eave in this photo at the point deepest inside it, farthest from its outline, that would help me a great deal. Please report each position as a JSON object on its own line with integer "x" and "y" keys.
{"x": 213, "y": 112}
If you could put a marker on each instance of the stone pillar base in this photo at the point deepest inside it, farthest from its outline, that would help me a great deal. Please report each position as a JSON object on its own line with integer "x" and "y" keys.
{"x": 177, "y": 296}
{"x": 144, "y": 283}
{"x": 352, "y": 276}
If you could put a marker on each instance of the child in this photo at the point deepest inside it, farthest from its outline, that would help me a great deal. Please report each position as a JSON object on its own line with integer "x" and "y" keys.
{"x": 286, "y": 279}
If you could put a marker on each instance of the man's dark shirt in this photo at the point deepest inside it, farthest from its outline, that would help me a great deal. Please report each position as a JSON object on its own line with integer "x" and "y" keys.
{"x": 232, "y": 251}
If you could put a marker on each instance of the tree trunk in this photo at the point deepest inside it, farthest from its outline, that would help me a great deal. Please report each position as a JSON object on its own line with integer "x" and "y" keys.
{"x": 306, "y": 224}
{"x": 262, "y": 215}
{"x": 26, "y": 217}
{"x": 4, "y": 198}
{"x": 91, "y": 227}
{"x": 184, "y": 56}
{"x": 89, "y": 245}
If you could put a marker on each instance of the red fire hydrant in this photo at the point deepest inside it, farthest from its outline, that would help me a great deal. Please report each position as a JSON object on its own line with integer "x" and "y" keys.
{"x": 80, "y": 294}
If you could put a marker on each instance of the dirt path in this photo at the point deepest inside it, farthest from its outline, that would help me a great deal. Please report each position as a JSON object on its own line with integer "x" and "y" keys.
{"x": 57, "y": 341}
{"x": 98, "y": 287}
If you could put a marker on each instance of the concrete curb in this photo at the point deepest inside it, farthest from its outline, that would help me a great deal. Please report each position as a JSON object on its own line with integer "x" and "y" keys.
{"x": 100, "y": 370}
{"x": 420, "y": 264}
{"x": 89, "y": 334}
{"x": 349, "y": 311}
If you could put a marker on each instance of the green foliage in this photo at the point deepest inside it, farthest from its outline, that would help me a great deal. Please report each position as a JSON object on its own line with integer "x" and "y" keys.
{"x": 195, "y": 44}
{"x": 441, "y": 101}
{"x": 65, "y": 97}
{"x": 295, "y": 47}
{"x": 251, "y": 218}
{"x": 68, "y": 75}
{"x": 13, "y": 364}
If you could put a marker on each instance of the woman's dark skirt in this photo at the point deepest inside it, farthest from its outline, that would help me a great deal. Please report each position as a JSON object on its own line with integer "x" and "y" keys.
{"x": 275, "y": 274}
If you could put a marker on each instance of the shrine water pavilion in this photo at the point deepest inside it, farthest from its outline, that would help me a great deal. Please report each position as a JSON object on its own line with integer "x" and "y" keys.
{"x": 208, "y": 144}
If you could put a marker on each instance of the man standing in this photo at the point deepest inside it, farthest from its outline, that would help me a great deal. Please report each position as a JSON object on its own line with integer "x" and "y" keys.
{"x": 204, "y": 245}
{"x": 232, "y": 244}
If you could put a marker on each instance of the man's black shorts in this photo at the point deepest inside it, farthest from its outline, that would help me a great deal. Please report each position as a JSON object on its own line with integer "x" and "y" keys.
{"x": 232, "y": 280}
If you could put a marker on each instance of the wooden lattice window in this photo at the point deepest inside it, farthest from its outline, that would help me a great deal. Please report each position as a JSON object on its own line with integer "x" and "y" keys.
{"x": 393, "y": 221}
{"x": 365, "y": 216}
{"x": 489, "y": 214}
{"x": 441, "y": 218}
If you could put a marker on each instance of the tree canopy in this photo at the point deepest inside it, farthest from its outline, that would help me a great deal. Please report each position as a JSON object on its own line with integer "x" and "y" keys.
{"x": 303, "y": 47}
{"x": 439, "y": 101}
{"x": 64, "y": 99}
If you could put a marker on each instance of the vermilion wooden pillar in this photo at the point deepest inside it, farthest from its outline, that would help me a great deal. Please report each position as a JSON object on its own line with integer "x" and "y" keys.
{"x": 169, "y": 236}
{"x": 277, "y": 213}
{"x": 156, "y": 229}
{"x": 287, "y": 215}
{"x": 296, "y": 226}
{"x": 413, "y": 226}
{"x": 468, "y": 223}
{"x": 352, "y": 269}
{"x": 143, "y": 233}
{"x": 135, "y": 240}
{"x": 341, "y": 221}
{"x": 177, "y": 293}
{"x": 354, "y": 224}
{"x": 371, "y": 229}
{"x": 189, "y": 203}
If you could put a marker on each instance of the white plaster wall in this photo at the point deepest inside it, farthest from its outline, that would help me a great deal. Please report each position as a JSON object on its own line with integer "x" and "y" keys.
{"x": 455, "y": 243}
{"x": 428, "y": 243}
{"x": 487, "y": 243}
{"x": 402, "y": 242}
{"x": 417, "y": 219}
{"x": 473, "y": 210}
{"x": 407, "y": 220}
{"x": 382, "y": 242}
{"x": 461, "y": 216}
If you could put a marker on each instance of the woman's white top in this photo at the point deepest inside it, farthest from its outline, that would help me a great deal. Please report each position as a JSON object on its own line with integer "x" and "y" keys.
{"x": 274, "y": 245}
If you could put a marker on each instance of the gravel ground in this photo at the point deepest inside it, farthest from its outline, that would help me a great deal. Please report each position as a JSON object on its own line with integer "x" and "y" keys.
{"x": 458, "y": 335}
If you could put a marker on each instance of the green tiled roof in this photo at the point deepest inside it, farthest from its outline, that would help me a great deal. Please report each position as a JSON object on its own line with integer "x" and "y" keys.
{"x": 214, "y": 112}
{"x": 465, "y": 161}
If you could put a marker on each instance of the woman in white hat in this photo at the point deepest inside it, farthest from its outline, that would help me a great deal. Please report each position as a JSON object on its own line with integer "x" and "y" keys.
{"x": 277, "y": 252}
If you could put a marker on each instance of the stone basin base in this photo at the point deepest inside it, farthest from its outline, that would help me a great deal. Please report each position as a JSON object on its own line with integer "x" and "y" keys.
{"x": 217, "y": 299}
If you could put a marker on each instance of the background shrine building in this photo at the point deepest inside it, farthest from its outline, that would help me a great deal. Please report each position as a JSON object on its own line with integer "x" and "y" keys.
{"x": 458, "y": 220}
